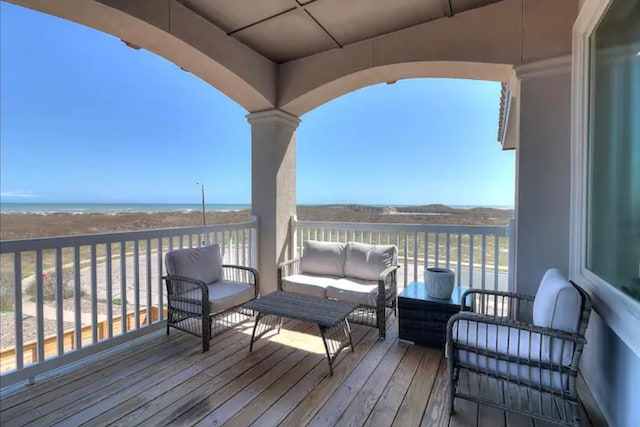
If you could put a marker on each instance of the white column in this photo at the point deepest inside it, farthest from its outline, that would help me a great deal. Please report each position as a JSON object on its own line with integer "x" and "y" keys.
{"x": 543, "y": 169}
{"x": 273, "y": 187}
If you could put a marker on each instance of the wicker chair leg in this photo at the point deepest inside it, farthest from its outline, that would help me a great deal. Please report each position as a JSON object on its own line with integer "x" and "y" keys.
{"x": 451, "y": 385}
{"x": 382, "y": 323}
{"x": 206, "y": 333}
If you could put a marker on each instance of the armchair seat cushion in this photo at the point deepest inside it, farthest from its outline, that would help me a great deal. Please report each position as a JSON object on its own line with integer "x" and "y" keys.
{"x": 308, "y": 284}
{"x": 354, "y": 290}
{"x": 509, "y": 341}
{"x": 223, "y": 295}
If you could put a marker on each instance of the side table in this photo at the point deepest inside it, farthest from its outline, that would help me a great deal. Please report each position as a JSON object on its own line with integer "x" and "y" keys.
{"x": 423, "y": 319}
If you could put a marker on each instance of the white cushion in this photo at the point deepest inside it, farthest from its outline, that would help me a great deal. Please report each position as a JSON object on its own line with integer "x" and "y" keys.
{"x": 557, "y": 304}
{"x": 512, "y": 342}
{"x": 366, "y": 262}
{"x": 203, "y": 263}
{"x": 323, "y": 258}
{"x": 308, "y": 284}
{"x": 354, "y": 290}
{"x": 223, "y": 295}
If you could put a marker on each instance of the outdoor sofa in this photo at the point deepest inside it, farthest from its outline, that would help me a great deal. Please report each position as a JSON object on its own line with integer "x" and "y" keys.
{"x": 355, "y": 272}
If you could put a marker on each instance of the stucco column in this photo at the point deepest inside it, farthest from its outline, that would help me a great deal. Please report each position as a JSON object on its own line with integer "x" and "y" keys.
{"x": 543, "y": 171}
{"x": 273, "y": 187}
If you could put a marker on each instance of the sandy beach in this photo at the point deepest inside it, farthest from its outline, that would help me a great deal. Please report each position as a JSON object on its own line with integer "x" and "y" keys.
{"x": 25, "y": 225}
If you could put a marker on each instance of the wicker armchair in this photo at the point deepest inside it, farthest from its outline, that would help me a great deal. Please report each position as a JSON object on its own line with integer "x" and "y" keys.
{"x": 196, "y": 275}
{"x": 369, "y": 315}
{"x": 518, "y": 352}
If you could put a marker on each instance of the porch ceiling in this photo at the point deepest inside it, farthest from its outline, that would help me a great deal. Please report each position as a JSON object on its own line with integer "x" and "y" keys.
{"x": 284, "y": 30}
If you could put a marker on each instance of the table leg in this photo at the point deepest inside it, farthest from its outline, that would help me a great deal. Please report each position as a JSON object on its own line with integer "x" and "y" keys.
{"x": 269, "y": 322}
{"x": 253, "y": 334}
{"x": 331, "y": 348}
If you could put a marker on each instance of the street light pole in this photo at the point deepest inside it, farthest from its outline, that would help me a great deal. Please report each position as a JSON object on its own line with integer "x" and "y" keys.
{"x": 204, "y": 218}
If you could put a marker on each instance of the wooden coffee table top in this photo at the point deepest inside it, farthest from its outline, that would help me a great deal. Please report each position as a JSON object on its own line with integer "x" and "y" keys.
{"x": 322, "y": 311}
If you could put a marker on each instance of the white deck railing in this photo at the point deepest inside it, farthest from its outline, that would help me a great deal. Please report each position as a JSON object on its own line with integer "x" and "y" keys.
{"x": 95, "y": 291}
{"x": 481, "y": 256}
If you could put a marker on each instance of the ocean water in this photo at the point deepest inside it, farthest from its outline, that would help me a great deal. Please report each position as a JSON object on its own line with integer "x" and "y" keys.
{"x": 114, "y": 208}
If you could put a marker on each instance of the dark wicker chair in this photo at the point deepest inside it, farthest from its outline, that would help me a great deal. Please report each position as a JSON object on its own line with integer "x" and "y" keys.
{"x": 497, "y": 356}
{"x": 374, "y": 316}
{"x": 197, "y": 275}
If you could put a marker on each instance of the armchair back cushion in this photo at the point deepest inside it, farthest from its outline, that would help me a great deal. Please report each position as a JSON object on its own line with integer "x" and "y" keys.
{"x": 557, "y": 303}
{"x": 203, "y": 263}
{"x": 323, "y": 258}
{"x": 366, "y": 262}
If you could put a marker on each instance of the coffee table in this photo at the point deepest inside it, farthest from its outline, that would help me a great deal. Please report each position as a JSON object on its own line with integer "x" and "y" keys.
{"x": 329, "y": 315}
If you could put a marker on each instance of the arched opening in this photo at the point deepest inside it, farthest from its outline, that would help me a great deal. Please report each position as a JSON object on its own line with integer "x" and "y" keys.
{"x": 299, "y": 97}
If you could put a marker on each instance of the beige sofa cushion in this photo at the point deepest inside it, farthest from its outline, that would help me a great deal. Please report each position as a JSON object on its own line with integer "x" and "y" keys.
{"x": 223, "y": 295}
{"x": 203, "y": 263}
{"x": 366, "y": 262}
{"x": 323, "y": 258}
{"x": 308, "y": 284}
{"x": 354, "y": 290}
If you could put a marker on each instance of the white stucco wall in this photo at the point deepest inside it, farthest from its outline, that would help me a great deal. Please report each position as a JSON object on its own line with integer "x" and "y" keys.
{"x": 612, "y": 372}
{"x": 610, "y": 368}
{"x": 543, "y": 176}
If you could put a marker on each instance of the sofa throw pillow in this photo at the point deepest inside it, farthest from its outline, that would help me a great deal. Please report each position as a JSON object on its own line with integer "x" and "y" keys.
{"x": 203, "y": 263}
{"x": 366, "y": 261}
{"x": 324, "y": 258}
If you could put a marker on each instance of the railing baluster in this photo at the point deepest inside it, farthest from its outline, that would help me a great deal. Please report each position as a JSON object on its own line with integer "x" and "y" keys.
{"x": 415, "y": 255}
{"x": 406, "y": 258}
{"x": 109, "y": 286}
{"x": 94, "y": 294}
{"x": 426, "y": 249}
{"x": 448, "y": 255}
{"x": 136, "y": 282}
{"x": 149, "y": 296}
{"x": 237, "y": 260}
{"x": 123, "y": 287}
{"x": 17, "y": 278}
{"x": 40, "y": 306}
{"x": 159, "y": 261}
{"x": 77, "y": 306}
{"x": 459, "y": 259}
{"x": 59, "y": 302}
{"x": 496, "y": 262}
{"x": 470, "y": 260}
{"x": 244, "y": 248}
{"x": 484, "y": 260}
{"x": 437, "y": 253}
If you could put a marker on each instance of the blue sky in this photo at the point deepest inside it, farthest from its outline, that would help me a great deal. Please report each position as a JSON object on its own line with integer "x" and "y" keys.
{"x": 83, "y": 118}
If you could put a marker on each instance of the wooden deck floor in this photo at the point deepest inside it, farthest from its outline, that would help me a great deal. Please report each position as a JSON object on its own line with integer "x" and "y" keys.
{"x": 284, "y": 381}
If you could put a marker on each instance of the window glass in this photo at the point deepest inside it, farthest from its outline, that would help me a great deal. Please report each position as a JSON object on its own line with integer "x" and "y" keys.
{"x": 613, "y": 226}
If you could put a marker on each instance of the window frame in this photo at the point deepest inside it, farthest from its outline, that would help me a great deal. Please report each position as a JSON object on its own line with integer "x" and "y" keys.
{"x": 618, "y": 310}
